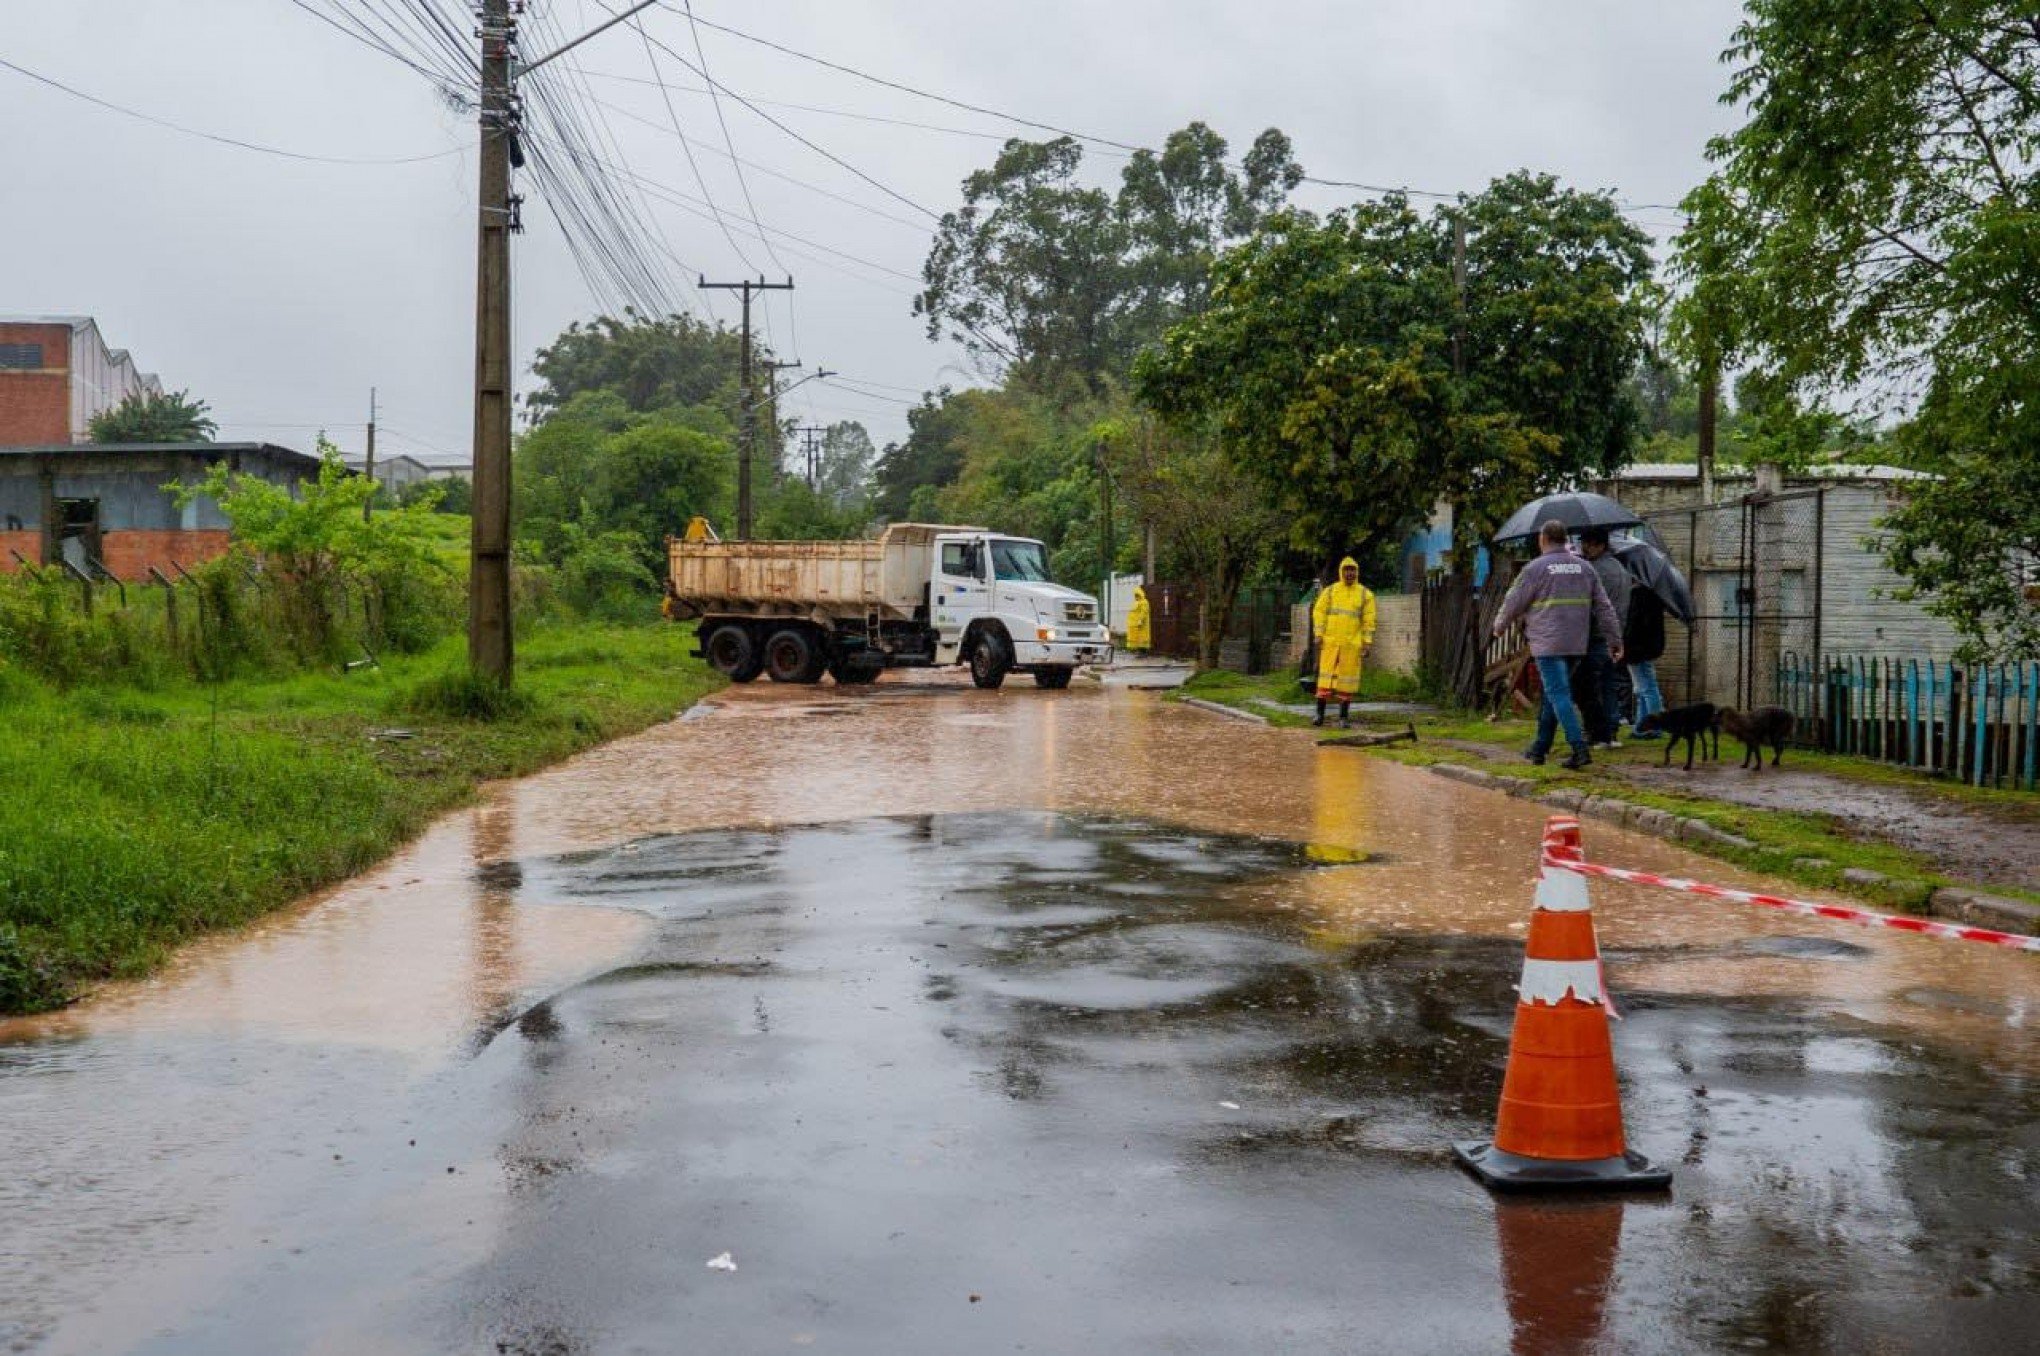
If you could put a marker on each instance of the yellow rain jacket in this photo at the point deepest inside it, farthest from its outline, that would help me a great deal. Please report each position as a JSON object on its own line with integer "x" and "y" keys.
{"x": 1343, "y": 621}
{"x": 1139, "y": 623}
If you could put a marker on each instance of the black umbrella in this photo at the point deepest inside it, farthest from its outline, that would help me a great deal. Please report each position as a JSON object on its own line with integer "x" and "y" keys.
{"x": 1577, "y": 510}
{"x": 1653, "y": 569}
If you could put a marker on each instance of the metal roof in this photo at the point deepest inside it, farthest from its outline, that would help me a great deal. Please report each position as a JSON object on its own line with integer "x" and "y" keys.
{"x": 209, "y": 451}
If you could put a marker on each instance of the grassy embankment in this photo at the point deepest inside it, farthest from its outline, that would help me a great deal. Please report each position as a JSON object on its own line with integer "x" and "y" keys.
{"x": 135, "y": 818}
{"x": 1806, "y": 847}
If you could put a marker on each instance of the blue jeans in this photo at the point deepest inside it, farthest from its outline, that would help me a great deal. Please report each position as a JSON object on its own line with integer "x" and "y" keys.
{"x": 1648, "y": 699}
{"x": 1556, "y": 673}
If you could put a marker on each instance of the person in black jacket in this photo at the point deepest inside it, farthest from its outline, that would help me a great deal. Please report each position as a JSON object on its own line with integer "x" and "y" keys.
{"x": 1643, "y": 644}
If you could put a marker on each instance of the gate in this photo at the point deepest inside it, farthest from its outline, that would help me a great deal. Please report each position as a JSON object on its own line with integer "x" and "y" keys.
{"x": 1755, "y": 570}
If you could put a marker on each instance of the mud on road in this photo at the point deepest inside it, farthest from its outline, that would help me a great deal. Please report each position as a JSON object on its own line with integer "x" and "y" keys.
{"x": 1002, "y": 1022}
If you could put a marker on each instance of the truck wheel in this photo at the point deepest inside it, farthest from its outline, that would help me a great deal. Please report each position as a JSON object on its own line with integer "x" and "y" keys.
{"x": 734, "y": 653}
{"x": 852, "y": 673}
{"x": 992, "y": 660}
{"x": 1055, "y": 679}
{"x": 791, "y": 656}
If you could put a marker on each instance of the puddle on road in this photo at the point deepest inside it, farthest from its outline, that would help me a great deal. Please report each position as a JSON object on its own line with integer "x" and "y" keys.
{"x": 1113, "y": 901}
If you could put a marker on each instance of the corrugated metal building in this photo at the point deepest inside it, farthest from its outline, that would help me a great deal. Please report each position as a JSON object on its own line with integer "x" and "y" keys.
{"x": 109, "y": 508}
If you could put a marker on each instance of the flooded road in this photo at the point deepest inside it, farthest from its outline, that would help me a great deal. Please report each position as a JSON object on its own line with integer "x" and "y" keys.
{"x": 1015, "y": 1021}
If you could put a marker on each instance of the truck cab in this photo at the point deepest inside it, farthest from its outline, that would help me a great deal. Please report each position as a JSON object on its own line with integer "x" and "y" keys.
{"x": 992, "y": 606}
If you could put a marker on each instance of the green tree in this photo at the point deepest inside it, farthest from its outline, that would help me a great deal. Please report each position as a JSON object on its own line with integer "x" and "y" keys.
{"x": 1325, "y": 362}
{"x": 927, "y": 459}
{"x": 1050, "y": 279}
{"x": 1214, "y": 524}
{"x": 595, "y": 466}
{"x": 1874, "y": 227}
{"x": 649, "y": 364}
{"x": 152, "y": 418}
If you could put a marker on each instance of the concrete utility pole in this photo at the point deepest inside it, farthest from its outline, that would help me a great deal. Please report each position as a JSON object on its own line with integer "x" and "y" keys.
{"x": 368, "y": 461}
{"x": 750, "y": 423}
{"x": 771, "y": 404}
{"x": 490, "y": 651}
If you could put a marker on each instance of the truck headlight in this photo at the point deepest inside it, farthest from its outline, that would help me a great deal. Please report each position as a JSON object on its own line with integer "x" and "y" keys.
{"x": 1044, "y": 633}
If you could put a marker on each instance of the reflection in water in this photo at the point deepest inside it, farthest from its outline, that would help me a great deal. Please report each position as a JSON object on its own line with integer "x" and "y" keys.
{"x": 1558, "y": 1263}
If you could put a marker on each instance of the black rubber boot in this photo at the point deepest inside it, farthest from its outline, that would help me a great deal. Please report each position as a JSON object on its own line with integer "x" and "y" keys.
{"x": 1345, "y": 715}
{"x": 1320, "y": 712}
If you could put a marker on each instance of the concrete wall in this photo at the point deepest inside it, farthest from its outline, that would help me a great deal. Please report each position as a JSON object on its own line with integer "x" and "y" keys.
{"x": 1398, "y": 633}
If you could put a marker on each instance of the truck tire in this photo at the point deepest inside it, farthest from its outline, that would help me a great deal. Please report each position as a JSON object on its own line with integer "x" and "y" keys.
{"x": 792, "y": 656}
{"x": 733, "y": 650}
{"x": 854, "y": 673}
{"x": 1054, "y": 677}
{"x": 992, "y": 660}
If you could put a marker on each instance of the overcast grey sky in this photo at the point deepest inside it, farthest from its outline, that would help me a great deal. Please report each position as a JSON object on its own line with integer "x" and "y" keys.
{"x": 281, "y": 290}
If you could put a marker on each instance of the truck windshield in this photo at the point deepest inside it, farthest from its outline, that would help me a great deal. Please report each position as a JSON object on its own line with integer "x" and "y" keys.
{"x": 1020, "y": 560}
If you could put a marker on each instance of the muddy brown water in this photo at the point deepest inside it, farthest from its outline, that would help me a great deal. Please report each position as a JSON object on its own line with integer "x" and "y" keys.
{"x": 1144, "y": 1027}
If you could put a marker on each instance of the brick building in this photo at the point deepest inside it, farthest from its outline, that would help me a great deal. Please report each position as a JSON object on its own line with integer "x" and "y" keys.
{"x": 111, "y": 508}
{"x": 56, "y": 374}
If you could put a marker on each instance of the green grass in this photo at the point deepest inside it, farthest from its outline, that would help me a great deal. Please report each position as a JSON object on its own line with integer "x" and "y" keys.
{"x": 135, "y": 819}
{"x": 1787, "y": 842}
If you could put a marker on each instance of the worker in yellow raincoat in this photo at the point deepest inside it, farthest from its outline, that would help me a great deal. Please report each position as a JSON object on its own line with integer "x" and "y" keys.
{"x": 1342, "y": 620}
{"x": 1140, "y": 633}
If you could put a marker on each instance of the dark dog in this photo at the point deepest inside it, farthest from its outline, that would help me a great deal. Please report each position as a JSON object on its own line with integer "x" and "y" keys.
{"x": 1689, "y": 723}
{"x": 1758, "y": 728}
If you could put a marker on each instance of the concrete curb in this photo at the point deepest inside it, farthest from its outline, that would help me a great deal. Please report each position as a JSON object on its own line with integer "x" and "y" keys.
{"x": 1959, "y": 903}
{"x": 1221, "y": 709}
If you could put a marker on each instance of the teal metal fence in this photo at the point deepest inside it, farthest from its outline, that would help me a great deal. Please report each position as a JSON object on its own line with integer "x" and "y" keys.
{"x": 1978, "y": 722}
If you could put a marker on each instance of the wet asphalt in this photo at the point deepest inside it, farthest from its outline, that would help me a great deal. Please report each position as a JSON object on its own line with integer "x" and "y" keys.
{"x": 1063, "y": 1077}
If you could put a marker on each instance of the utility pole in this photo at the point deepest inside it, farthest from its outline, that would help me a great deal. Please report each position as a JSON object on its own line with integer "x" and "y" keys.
{"x": 771, "y": 404}
{"x": 1710, "y": 380}
{"x": 490, "y": 651}
{"x": 750, "y": 422}
{"x": 810, "y": 448}
{"x": 368, "y": 461}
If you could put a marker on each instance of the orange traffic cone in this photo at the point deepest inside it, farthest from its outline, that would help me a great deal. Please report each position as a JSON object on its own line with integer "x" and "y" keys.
{"x": 1560, "y": 1123}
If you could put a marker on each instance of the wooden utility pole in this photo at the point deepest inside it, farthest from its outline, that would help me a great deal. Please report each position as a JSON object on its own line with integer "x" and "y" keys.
{"x": 368, "y": 462}
{"x": 810, "y": 448}
{"x": 750, "y": 407}
{"x": 489, "y": 639}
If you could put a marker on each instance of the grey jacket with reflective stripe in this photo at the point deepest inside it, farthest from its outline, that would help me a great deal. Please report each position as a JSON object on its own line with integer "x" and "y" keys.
{"x": 1557, "y": 595}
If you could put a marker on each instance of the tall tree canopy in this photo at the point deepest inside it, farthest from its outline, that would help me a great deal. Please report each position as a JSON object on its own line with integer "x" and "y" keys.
{"x": 1874, "y": 228}
{"x": 151, "y": 418}
{"x": 1046, "y": 277}
{"x": 649, "y": 363}
{"x": 1326, "y": 359}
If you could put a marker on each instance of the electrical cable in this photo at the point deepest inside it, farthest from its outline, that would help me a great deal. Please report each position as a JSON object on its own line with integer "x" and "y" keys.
{"x": 281, "y": 151}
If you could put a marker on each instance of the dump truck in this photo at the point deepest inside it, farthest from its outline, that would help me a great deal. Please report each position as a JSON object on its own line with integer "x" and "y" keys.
{"x": 921, "y": 595}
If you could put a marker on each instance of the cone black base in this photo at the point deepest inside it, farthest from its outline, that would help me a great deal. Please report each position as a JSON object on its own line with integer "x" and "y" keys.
{"x": 1505, "y": 1171}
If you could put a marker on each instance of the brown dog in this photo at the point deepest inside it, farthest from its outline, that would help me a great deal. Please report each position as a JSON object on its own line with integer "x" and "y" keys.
{"x": 1758, "y": 728}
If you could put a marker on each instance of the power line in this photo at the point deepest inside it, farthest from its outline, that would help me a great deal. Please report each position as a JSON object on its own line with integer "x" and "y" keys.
{"x": 743, "y": 184}
{"x": 826, "y": 154}
{"x": 1093, "y": 139}
{"x": 701, "y": 180}
{"x": 283, "y": 152}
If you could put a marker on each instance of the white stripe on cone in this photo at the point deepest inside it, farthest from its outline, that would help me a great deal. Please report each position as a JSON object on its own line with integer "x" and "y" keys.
{"x": 1560, "y": 891}
{"x": 1548, "y": 981}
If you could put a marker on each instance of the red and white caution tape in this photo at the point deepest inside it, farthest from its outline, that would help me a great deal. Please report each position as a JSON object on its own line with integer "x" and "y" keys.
{"x": 1839, "y": 912}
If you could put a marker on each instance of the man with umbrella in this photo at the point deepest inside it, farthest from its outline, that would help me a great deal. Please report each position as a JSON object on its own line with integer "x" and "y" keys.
{"x": 1660, "y": 589}
{"x": 1560, "y": 599}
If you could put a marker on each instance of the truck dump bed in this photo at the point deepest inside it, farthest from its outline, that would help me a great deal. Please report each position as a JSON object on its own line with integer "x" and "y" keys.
{"x": 799, "y": 578}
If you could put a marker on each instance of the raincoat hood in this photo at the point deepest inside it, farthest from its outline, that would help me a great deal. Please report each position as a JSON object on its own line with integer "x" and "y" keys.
{"x": 1349, "y": 564}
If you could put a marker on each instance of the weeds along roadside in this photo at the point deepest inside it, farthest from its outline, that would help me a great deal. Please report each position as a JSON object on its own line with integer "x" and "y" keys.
{"x": 138, "y": 817}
